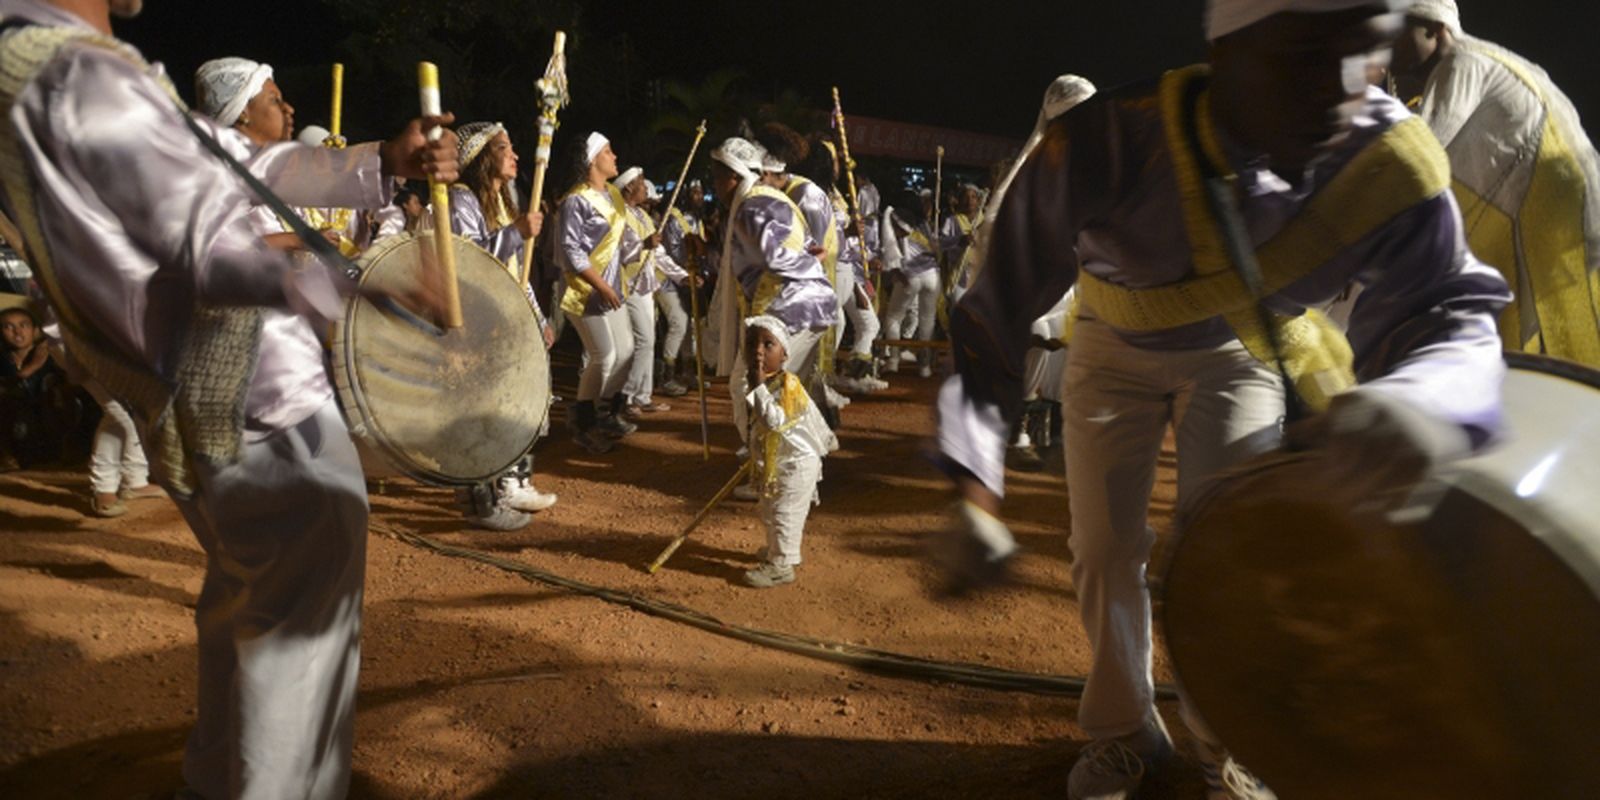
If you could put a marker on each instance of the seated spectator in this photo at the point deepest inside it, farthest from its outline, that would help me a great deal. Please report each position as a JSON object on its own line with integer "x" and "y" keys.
{"x": 39, "y": 410}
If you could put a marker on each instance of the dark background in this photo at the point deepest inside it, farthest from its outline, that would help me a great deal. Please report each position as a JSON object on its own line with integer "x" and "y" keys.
{"x": 978, "y": 65}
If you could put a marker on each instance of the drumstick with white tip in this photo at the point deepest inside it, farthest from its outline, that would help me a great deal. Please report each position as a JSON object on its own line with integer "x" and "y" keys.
{"x": 444, "y": 243}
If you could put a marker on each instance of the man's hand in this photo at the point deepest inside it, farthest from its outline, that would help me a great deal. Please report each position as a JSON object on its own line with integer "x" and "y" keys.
{"x": 1374, "y": 444}
{"x": 608, "y": 297}
{"x": 410, "y": 155}
{"x": 549, "y": 335}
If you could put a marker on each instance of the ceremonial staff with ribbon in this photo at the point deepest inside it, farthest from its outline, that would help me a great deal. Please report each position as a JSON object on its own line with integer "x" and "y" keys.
{"x": 553, "y": 96}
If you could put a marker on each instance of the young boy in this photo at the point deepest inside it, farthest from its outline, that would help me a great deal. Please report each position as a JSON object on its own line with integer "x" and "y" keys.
{"x": 29, "y": 432}
{"x": 788, "y": 438}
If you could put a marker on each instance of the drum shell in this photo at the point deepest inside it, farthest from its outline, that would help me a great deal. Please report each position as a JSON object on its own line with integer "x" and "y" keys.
{"x": 1447, "y": 651}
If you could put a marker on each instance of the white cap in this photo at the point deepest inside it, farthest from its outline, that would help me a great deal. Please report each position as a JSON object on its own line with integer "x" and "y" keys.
{"x": 628, "y": 176}
{"x": 593, "y": 145}
{"x": 651, "y": 191}
{"x": 224, "y": 86}
{"x": 313, "y": 135}
{"x": 740, "y": 155}
{"x": 1226, "y": 16}
{"x": 771, "y": 325}
{"x": 1445, "y": 11}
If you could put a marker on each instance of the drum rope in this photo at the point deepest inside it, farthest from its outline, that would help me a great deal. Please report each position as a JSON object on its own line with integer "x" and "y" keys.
{"x": 867, "y": 659}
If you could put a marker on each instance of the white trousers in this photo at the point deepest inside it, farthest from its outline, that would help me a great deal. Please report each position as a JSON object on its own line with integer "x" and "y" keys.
{"x": 642, "y": 325}
{"x": 802, "y": 362}
{"x": 786, "y": 504}
{"x": 1225, "y": 408}
{"x": 862, "y": 321}
{"x": 923, "y": 288}
{"x": 279, "y": 615}
{"x": 607, "y": 352}
{"x": 118, "y": 459}
{"x": 670, "y": 304}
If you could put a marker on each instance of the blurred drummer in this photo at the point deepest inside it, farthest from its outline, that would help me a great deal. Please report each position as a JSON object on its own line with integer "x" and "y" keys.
{"x": 1334, "y": 182}
{"x": 138, "y": 234}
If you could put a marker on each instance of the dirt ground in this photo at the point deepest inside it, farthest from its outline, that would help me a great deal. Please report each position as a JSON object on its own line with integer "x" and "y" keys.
{"x": 479, "y": 683}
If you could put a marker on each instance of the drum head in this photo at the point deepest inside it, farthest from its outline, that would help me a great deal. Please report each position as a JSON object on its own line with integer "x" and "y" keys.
{"x": 453, "y": 409}
{"x": 1345, "y": 654}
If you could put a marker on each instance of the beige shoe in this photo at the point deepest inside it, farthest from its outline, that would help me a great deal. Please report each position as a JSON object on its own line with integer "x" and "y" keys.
{"x": 106, "y": 505}
{"x": 148, "y": 491}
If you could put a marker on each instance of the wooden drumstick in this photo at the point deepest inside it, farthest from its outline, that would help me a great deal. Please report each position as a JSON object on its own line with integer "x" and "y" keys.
{"x": 444, "y": 243}
{"x": 338, "y": 101}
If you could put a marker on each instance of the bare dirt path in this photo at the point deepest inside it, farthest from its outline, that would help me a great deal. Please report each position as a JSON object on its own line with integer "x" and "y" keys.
{"x": 477, "y": 683}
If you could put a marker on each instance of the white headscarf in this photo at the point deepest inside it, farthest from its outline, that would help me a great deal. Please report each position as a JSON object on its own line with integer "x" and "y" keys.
{"x": 771, "y": 325}
{"x": 1444, "y": 11}
{"x": 771, "y": 163}
{"x": 629, "y": 176}
{"x": 593, "y": 145}
{"x": 1226, "y": 16}
{"x": 224, "y": 86}
{"x": 651, "y": 191}
{"x": 472, "y": 137}
{"x": 744, "y": 157}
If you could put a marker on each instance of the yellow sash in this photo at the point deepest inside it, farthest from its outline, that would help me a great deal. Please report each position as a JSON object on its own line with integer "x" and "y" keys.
{"x": 792, "y": 396}
{"x": 643, "y": 227}
{"x": 829, "y": 240}
{"x": 576, "y": 298}
{"x": 1401, "y": 168}
{"x": 1549, "y": 236}
{"x": 337, "y": 221}
{"x": 768, "y": 287}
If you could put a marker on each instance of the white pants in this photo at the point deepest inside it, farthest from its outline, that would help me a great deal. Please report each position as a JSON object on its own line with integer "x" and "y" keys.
{"x": 924, "y": 289}
{"x": 607, "y": 352}
{"x": 862, "y": 321}
{"x": 1225, "y": 407}
{"x": 118, "y": 459}
{"x": 279, "y": 615}
{"x": 670, "y": 304}
{"x": 786, "y": 504}
{"x": 642, "y": 324}
{"x": 802, "y": 362}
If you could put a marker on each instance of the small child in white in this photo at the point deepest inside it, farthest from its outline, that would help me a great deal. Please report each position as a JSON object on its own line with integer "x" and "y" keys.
{"x": 788, "y": 439}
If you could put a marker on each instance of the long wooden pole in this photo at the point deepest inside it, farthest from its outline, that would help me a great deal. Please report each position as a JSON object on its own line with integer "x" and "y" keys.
{"x": 444, "y": 243}
{"x": 694, "y": 295}
{"x": 855, "y": 200}
{"x": 553, "y": 92}
{"x": 677, "y": 542}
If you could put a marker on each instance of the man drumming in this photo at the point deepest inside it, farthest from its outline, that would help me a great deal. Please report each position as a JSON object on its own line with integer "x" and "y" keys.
{"x": 139, "y": 236}
{"x": 1332, "y": 182}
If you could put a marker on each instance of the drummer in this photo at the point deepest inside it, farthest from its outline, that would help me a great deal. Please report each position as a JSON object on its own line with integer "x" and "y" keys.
{"x": 484, "y": 209}
{"x": 1285, "y": 112}
{"x": 137, "y": 232}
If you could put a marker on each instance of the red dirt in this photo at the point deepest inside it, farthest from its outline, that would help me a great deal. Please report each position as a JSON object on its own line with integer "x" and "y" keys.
{"x": 476, "y": 682}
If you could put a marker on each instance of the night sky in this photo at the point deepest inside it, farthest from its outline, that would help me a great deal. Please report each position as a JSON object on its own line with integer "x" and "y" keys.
{"x": 979, "y": 65}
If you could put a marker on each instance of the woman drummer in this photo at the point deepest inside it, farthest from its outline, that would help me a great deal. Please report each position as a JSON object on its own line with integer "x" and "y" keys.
{"x": 593, "y": 232}
{"x": 484, "y": 209}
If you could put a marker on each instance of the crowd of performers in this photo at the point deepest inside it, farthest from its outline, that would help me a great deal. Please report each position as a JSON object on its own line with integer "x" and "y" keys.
{"x": 194, "y": 304}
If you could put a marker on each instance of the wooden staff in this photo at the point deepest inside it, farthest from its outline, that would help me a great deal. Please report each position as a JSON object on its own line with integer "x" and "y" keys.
{"x": 337, "y": 116}
{"x": 938, "y": 203}
{"x": 677, "y": 542}
{"x": 855, "y": 201}
{"x": 444, "y": 243}
{"x": 694, "y": 293}
{"x": 553, "y": 96}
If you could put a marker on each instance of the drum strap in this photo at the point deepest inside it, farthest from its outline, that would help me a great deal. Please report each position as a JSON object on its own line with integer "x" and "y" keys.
{"x": 1401, "y": 168}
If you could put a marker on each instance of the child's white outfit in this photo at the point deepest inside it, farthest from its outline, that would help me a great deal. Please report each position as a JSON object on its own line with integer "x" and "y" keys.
{"x": 788, "y": 440}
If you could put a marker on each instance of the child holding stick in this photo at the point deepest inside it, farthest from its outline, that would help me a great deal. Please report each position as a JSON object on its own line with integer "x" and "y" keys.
{"x": 788, "y": 438}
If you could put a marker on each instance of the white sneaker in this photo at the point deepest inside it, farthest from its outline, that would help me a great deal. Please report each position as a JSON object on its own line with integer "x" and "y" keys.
{"x": 1112, "y": 769}
{"x": 834, "y": 398}
{"x": 747, "y": 492}
{"x": 502, "y": 518}
{"x": 925, "y": 372}
{"x": 908, "y": 356}
{"x": 1227, "y": 779}
{"x": 769, "y": 575}
{"x": 519, "y": 494}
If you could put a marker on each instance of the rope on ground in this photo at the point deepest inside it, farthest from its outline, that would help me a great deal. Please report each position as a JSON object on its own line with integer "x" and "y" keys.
{"x": 863, "y": 658}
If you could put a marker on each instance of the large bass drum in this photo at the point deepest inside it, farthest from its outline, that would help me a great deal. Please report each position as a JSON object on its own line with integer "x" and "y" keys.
{"x": 451, "y": 409}
{"x": 1450, "y": 652}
